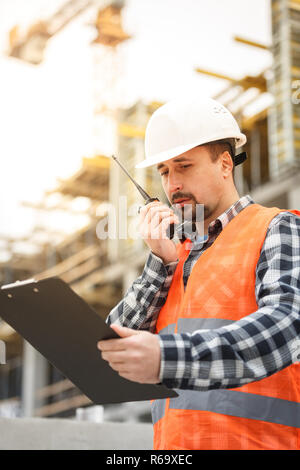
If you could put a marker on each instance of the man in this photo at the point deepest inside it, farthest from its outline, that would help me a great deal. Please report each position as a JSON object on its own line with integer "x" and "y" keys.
{"x": 227, "y": 307}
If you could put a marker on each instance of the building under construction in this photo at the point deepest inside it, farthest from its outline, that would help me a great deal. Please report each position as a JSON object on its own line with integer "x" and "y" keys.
{"x": 99, "y": 269}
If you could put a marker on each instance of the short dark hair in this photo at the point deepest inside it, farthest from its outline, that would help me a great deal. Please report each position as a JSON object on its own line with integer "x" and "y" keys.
{"x": 219, "y": 146}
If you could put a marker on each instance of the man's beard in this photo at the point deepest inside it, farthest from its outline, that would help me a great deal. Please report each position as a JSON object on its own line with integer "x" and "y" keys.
{"x": 192, "y": 214}
{"x": 189, "y": 210}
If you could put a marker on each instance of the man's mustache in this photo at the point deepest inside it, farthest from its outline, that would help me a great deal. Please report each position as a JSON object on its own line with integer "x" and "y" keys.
{"x": 180, "y": 195}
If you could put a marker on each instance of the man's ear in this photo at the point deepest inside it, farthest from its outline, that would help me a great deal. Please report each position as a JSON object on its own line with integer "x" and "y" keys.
{"x": 227, "y": 164}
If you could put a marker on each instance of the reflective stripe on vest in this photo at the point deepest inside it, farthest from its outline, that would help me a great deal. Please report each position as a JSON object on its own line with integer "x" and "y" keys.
{"x": 158, "y": 409}
{"x": 233, "y": 403}
{"x": 190, "y": 325}
{"x": 170, "y": 329}
{"x": 185, "y": 325}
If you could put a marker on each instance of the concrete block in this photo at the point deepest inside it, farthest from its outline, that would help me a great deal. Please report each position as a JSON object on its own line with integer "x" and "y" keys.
{"x": 67, "y": 434}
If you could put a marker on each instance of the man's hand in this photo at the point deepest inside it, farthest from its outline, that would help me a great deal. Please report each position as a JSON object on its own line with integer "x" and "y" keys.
{"x": 135, "y": 356}
{"x": 155, "y": 220}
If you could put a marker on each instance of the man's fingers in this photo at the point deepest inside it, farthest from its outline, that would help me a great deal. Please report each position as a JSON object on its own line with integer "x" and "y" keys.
{"x": 123, "y": 331}
{"x": 158, "y": 231}
{"x": 158, "y": 217}
{"x": 114, "y": 356}
{"x": 111, "y": 345}
{"x": 156, "y": 222}
{"x": 135, "y": 358}
{"x": 145, "y": 209}
{"x": 152, "y": 208}
{"x": 157, "y": 213}
{"x": 119, "y": 367}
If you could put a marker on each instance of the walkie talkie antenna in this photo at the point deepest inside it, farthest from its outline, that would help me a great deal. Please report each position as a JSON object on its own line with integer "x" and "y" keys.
{"x": 143, "y": 193}
{"x": 148, "y": 199}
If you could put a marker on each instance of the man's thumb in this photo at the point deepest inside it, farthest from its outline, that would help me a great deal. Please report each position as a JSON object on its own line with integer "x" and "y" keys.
{"x": 123, "y": 331}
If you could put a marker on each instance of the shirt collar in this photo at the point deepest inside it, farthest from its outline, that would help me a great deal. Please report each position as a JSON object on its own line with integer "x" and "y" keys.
{"x": 233, "y": 210}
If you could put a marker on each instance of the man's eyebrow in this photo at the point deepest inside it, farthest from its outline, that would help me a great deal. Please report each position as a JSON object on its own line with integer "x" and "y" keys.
{"x": 181, "y": 159}
{"x": 160, "y": 166}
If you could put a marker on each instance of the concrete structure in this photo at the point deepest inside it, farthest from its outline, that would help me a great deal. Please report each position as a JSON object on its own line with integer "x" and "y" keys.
{"x": 66, "y": 434}
{"x": 284, "y": 115}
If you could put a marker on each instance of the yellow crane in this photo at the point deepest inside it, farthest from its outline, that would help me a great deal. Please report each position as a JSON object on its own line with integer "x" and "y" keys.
{"x": 30, "y": 46}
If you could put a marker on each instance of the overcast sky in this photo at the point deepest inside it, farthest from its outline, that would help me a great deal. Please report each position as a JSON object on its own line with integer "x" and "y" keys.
{"x": 46, "y": 112}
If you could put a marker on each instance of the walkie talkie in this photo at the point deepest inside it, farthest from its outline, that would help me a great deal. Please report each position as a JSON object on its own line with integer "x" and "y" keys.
{"x": 148, "y": 199}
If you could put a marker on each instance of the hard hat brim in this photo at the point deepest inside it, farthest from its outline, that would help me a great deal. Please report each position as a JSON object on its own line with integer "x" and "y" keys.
{"x": 175, "y": 152}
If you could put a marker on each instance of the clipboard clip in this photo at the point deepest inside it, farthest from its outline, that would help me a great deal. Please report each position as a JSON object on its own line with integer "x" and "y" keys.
{"x": 18, "y": 283}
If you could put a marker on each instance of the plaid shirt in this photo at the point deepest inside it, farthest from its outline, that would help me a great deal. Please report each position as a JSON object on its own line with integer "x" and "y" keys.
{"x": 249, "y": 349}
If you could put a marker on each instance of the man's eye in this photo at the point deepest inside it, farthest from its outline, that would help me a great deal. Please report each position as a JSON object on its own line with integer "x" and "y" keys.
{"x": 182, "y": 166}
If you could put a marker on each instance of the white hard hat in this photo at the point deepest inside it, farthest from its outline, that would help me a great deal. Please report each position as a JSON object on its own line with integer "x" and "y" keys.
{"x": 183, "y": 124}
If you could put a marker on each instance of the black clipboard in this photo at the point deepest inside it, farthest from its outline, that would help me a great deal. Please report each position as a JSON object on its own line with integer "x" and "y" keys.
{"x": 65, "y": 329}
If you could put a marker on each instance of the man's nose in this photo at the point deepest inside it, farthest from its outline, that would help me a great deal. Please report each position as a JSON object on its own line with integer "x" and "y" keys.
{"x": 174, "y": 184}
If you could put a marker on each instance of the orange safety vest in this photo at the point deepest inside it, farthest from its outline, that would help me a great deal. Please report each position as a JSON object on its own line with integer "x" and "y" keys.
{"x": 221, "y": 290}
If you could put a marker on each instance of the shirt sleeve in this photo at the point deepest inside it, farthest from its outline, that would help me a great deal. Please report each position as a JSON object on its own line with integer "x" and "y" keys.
{"x": 142, "y": 302}
{"x": 256, "y": 346}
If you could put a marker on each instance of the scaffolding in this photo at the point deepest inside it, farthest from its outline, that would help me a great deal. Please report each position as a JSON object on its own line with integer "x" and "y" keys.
{"x": 237, "y": 96}
{"x": 284, "y": 117}
{"x": 130, "y": 150}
